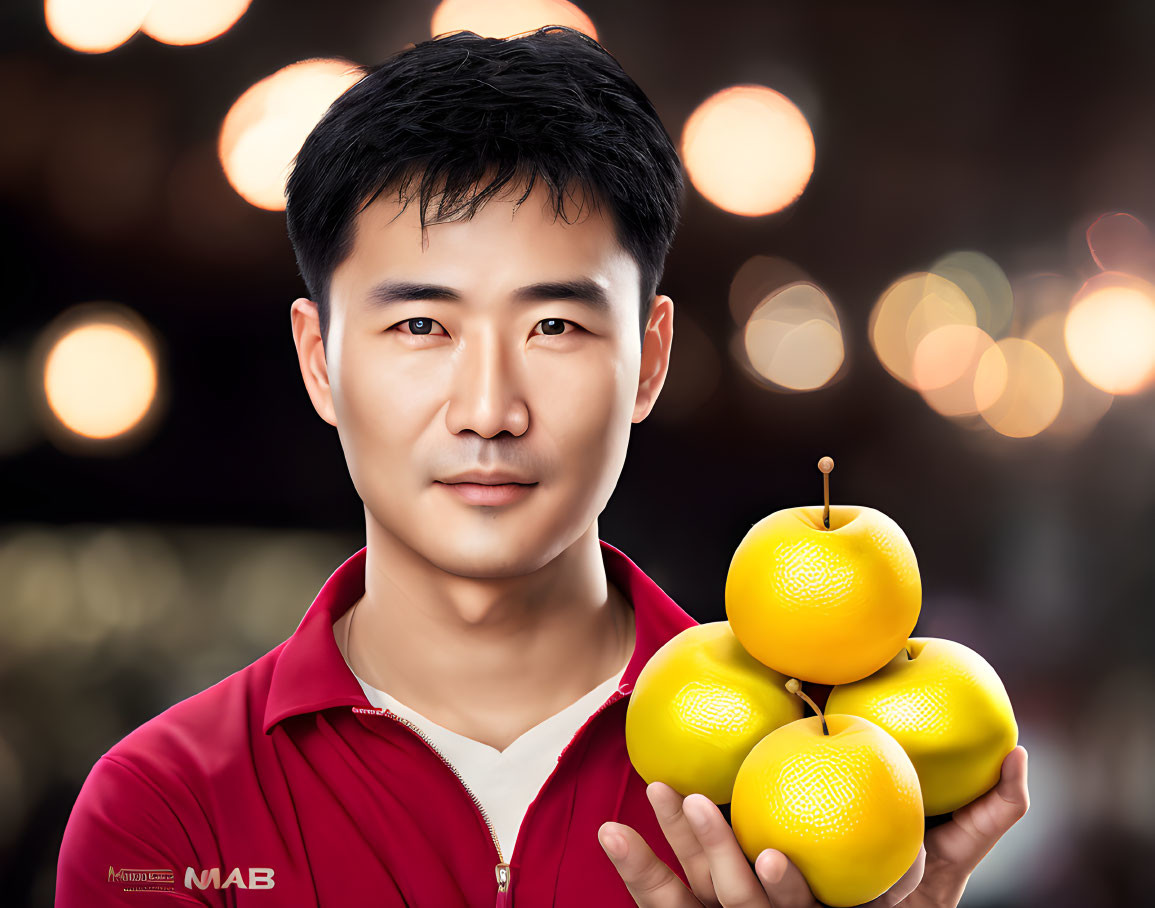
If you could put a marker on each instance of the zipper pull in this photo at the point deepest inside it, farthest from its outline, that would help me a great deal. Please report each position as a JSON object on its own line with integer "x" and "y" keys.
{"x": 504, "y": 892}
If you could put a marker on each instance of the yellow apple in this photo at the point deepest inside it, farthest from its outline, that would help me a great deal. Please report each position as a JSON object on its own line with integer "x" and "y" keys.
{"x": 828, "y": 606}
{"x": 699, "y": 705}
{"x": 840, "y": 799}
{"x": 949, "y": 710}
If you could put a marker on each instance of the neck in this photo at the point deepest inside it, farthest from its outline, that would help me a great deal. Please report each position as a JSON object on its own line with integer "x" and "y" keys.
{"x": 479, "y": 652}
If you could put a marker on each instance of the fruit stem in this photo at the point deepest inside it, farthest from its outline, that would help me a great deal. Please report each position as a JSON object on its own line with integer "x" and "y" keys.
{"x": 795, "y": 687}
{"x": 826, "y": 464}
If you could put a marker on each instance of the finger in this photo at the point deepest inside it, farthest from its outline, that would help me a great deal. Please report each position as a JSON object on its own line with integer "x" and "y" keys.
{"x": 1010, "y": 800}
{"x": 734, "y": 883}
{"x": 1012, "y": 787}
{"x": 667, "y": 804}
{"x": 975, "y": 827}
{"x": 990, "y": 816}
{"x": 651, "y": 883}
{"x": 783, "y": 882}
{"x": 905, "y": 885}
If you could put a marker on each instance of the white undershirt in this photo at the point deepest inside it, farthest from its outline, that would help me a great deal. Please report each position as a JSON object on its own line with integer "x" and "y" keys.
{"x": 505, "y": 781}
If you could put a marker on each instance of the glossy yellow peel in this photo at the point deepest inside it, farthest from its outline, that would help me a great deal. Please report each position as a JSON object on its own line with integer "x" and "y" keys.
{"x": 948, "y": 709}
{"x": 844, "y": 807}
{"x": 828, "y": 606}
{"x": 698, "y": 707}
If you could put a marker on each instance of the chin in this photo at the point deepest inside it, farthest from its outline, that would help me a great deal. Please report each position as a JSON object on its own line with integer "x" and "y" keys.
{"x": 472, "y": 544}
{"x": 491, "y": 557}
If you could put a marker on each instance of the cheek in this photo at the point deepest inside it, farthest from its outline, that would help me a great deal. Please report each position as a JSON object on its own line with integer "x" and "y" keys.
{"x": 585, "y": 410}
{"x": 383, "y": 406}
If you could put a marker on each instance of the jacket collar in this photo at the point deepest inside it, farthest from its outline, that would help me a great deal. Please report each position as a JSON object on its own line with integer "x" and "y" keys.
{"x": 310, "y": 673}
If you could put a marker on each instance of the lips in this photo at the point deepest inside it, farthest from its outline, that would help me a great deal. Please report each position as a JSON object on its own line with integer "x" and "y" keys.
{"x": 489, "y": 478}
{"x": 489, "y": 493}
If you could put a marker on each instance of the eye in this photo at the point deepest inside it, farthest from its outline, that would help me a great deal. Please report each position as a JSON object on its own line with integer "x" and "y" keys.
{"x": 555, "y": 327}
{"x": 418, "y": 326}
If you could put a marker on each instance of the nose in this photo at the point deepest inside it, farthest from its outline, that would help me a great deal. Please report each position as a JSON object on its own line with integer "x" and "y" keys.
{"x": 487, "y": 395}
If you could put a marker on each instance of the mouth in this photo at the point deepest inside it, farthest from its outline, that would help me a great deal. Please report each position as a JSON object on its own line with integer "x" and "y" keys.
{"x": 479, "y": 493}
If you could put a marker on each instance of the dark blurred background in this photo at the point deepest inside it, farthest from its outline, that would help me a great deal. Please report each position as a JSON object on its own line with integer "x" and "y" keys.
{"x": 1005, "y": 149}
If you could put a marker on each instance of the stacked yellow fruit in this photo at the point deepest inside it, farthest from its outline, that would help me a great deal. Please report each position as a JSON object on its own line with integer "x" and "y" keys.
{"x": 705, "y": 702}
{"x": 913, "y": 727}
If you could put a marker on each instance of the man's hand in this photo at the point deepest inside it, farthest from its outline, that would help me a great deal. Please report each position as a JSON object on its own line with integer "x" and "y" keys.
{"x": 954, "y": 849}
{"x": 720, "y": 874}
{"x": 717, "y": 868}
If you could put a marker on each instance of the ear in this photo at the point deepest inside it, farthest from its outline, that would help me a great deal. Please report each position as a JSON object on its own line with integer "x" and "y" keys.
{"x": 655, "y": 363}
{"x": 311, "y": 357}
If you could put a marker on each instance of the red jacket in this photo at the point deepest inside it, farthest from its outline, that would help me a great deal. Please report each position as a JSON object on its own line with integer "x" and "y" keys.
{"x": 282, "y": 786}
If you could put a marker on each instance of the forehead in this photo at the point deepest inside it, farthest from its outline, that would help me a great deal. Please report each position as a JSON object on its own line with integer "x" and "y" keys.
{"x": 503, "y": 244}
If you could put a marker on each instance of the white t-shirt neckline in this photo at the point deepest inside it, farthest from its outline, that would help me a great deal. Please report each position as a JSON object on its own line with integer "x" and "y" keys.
{"x": 505, "y": 781}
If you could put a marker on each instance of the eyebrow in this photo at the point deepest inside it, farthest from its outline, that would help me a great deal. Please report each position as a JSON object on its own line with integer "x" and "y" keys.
{"x": 584, "y": 290}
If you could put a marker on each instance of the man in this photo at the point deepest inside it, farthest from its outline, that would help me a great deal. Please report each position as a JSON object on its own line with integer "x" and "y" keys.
{"x": 446, "y": 725}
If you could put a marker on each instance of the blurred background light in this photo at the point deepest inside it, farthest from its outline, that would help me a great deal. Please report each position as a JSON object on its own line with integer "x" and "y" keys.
{"x": 1083, "y": 404}
{"x": 944, "y": 366}
{"x": 266, "y": 126}
{"x": 94, "y": 26}
{"x": 1121, "y": 242}
{"x": 748, "y": 149}
{"x": 98, "y": 26}
{"x": 756, "y": 279}
{"x": 100, "y": 373}
{"x": 191, "y": 21}
{"x": 794, "y": 339}
{"x": 1110, "y": 333}
{"x": 985, "y": 285}
{"x": 1018, "y": 388}
{"x": 503, "y": 18}
{"x": 908, "y": 310}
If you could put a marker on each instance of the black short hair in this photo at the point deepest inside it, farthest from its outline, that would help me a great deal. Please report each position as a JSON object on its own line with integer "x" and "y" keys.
{"x": 460, "y": 107}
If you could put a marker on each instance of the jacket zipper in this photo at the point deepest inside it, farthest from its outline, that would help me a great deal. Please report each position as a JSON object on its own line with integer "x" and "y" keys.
{"x": 501, "y": 871}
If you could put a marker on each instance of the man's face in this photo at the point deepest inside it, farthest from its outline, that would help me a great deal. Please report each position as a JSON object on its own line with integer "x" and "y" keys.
{"x": 540, "y": 385}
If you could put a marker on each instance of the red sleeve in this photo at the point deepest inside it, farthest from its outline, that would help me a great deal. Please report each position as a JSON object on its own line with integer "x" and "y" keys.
{"x": 124, "y": 845}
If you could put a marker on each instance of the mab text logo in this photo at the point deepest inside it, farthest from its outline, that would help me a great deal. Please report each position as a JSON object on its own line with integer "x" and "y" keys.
{"x": 259, "y": 878}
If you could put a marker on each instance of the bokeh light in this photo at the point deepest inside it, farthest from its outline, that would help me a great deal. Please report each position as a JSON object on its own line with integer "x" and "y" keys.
{"x": 910, "y": 309}
{"x": 944, "y": 366}
{"x": 1110, "y": 333}
{"x": 503, "y": 18}
{"x": 1018, "y": 388}
{"x": 1121, "y": 242}
{"x": 794, "y": 339}
{"x": 985, "y": 285}
{"x": 100, "y": 374}
{"x": 748, "y": 149}
{"x": 94, "y": 26}
{"x": 191, "y": 21}
{"x": 756, "y": 279}
{"x": 266, "y": 126}
{"x": 1083, "y": 404}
